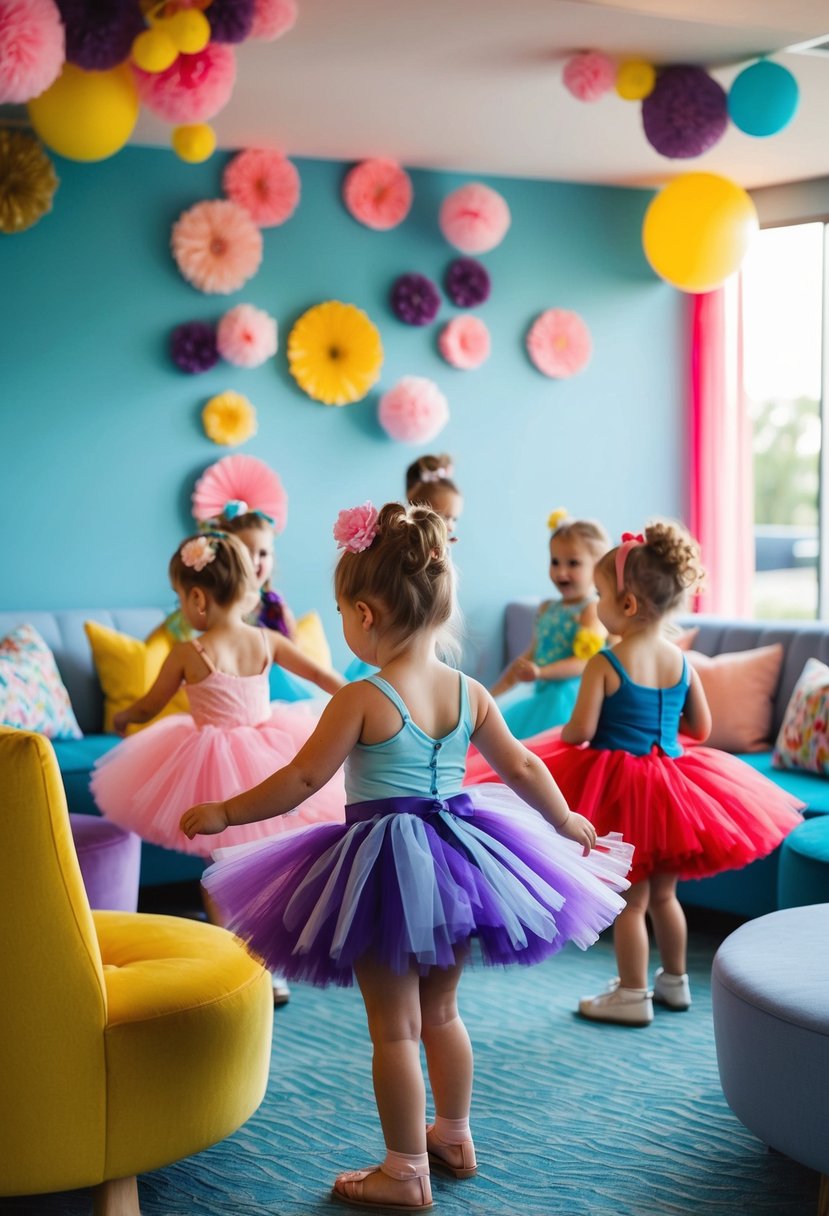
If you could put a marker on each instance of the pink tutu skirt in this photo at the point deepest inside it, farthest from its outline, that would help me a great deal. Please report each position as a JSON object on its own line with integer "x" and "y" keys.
{"x": 148, "y": 781}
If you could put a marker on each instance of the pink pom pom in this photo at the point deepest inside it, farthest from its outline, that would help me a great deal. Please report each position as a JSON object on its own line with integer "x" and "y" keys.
{"x": 356, "y": 527}
{"x": 192, "y": 89}
{"x": 559, "y": 343}
{"x": 246, "y": 336}
{"x": 32, "y": 48}
{"x": 474, "y": 218}
{"x": 378, "y": 193}
{"x": 217, "y": 246}
{"x": 414, "y": 411}
{"x": 464, "y": 342}
{"x": 590, "y": 75}
{"x": 265, "y": 183}
{"x": 244, "y": 478}
{"x": 272, "y": 18}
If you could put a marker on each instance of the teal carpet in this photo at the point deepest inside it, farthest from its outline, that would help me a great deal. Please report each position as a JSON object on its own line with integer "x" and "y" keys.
{"x": 569, "y": 1117}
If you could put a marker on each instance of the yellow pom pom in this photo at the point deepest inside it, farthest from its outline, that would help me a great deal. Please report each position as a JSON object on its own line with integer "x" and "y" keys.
{"x": 194, "y": 143}
{"x": 189, "y": 30}
{"x": 586, "y": 643}
{"x": 635, "y": 80}
{"x": 153, "y": 51}
{"x": 557, "y": 517}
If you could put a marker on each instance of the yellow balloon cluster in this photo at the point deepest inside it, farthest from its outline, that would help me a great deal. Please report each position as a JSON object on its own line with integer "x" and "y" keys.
{"x": 156, "y": 49}
{"x": 87, "y": 115}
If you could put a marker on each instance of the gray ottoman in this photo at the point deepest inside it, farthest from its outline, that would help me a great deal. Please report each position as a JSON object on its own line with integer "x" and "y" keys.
{"x": 770, "y": 997}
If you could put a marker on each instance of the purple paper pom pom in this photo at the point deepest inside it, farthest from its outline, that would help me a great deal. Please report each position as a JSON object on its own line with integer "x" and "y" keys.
{"x": 415, "y": 299}
{"x": 686, "y": 114}
{"x": 99, "y": 36}
{"x": 230, "y": 20}
{"x": 193, "y": 346}
{"x": 467, "y": 283}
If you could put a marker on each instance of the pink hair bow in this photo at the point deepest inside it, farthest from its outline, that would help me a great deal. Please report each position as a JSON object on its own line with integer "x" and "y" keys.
{"x": 630, "y": 540}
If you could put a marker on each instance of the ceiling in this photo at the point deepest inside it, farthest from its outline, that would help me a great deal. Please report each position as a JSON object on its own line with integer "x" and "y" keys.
{"x": 475, "y": 85}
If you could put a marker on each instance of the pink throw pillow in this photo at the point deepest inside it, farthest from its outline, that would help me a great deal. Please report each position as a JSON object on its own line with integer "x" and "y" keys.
{"x": 740, "y": 689}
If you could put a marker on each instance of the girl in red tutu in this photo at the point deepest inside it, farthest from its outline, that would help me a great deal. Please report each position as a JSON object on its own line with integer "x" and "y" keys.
{"x": 690, "y": 813}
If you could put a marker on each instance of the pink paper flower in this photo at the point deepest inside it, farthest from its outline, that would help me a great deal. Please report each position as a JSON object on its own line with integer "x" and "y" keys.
{"x": 193, "y": 88}
{"x": 378, "y": 193}
{"x": 240, "y": 477}
{"x": 590, "y": 75}
{"x": 414, "y": 411}
{"x": 356, "y": 528}
{"x": 464, "y": 342}
{"x": 273, "y": 18}
{"x": 197, "y": 553}
{"x": 265, "y": 183}
{"x": 246, "y": 336}
{"x": 559, "y": 343}
{"x": 217, "y": 246}
{"x": 32, "y": 48}
{"x": 474, "y": 218}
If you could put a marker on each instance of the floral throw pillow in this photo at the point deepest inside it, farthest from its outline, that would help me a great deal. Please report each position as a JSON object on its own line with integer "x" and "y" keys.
{"x": 32, "y": 694}
{"x": 803, "y": 740}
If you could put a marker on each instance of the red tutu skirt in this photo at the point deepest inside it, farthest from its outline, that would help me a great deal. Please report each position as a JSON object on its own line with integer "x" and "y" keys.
{"x": 694, "y": 815}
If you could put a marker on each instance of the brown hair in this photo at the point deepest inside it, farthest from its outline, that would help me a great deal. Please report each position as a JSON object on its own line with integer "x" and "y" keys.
{"x": 406, "y": 568}
{"x": 661, "y": 571}
{"x": 250, "y": 520}
{"x": 225, "y": 579}
{"x": 427, "y": 472}
{"x": 591, "y": 534}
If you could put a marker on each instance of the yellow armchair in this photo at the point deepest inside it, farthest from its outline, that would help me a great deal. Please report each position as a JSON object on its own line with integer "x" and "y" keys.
{"x": 127, "y": 1041}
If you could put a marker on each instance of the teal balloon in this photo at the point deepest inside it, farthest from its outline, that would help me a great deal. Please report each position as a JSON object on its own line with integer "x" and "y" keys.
{"x": 763, "y": 99}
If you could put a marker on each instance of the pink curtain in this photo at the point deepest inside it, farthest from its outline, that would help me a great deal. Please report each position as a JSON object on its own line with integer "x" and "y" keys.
{"x": 721, "y": 513}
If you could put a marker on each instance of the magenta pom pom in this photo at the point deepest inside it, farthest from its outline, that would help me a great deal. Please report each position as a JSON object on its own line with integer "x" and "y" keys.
{"x": 272, "y": 18}
{"x": 474, "y": 218}
{"x": 467, "y": 283}
{"x": 464, "y": 343}
{"x": 32, "y": 48}
{"x": 193, "y": 347}
{"x": 378, "y": 193}
{"x": 686, "y": 114}
{"x": 590, "y": 75}
{"x": 99, "y": 36}
{"x": 246, "y": 336}
{"x": 217, "y": 246}
{"x": 230, "y": 20}
{"x": 414, "y": 411}
{"x": 415, "y": 299}
{"x": 559, "y": 343}
{"x": 265, "y": 183}
{"x": 240, "y": 478}
{"x": 192, "y": 89}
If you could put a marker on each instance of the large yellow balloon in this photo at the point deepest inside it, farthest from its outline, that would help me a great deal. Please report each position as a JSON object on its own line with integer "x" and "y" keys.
{"x": 697, "y": 230}
{"x": 87, "y": 115}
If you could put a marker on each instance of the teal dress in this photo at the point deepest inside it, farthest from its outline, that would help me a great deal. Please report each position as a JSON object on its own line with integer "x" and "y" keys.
{"x": 531, "y": 708}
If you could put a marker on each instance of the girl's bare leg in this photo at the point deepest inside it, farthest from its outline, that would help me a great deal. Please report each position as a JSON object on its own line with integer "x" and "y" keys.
{"x": 630, "y": 937}
{"x": 669, "y": 925}
{"x": 449, "y": 1060}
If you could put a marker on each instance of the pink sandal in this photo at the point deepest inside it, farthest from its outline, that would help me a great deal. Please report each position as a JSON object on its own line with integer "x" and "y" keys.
{"x": 469, "y": 1163}
{"x": 355, "y": 1197}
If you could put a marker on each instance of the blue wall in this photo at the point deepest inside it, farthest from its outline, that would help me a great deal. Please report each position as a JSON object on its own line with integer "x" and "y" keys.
{"x": 101, "y": 436}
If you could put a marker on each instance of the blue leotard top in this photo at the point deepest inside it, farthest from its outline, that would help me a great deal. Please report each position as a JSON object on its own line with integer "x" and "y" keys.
{"x": 636, "y": 718}
{"x": 555, "y": 629}
{"x": 410, "y": 763}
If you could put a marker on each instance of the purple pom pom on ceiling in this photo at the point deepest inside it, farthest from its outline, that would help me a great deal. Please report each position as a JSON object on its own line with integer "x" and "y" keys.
{"x": 230, "y": 20}
{"x": 467, "y": 283}
{"x": 415, "y": 299}
{"x": 686, "y": 114}
{"x": 99, "y": 36}
{"x": 193, "y": 346}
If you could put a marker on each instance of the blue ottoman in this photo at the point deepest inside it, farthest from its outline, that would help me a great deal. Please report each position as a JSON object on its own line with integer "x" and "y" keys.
{"x": 110, "y": 861}
{"x": 803, "y": 873}
{"x": 770, "y": 999}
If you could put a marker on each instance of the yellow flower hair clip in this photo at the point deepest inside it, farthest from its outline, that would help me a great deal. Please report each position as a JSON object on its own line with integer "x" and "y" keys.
{"x": 586, "y": 643}
{"x": 557, "y": 517}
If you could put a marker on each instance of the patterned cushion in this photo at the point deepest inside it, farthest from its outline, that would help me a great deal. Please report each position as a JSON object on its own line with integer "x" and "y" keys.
{"x": 803, "y": 741}
{"x": 32, "y": 694}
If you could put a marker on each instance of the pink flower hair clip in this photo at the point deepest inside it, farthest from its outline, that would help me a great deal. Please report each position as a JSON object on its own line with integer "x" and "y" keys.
{"x": 356, "y": 528}
{"x": 198, "y": 553}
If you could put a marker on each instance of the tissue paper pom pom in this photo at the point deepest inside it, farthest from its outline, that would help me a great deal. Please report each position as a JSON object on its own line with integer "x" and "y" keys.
{"x": 229, "y": 418}
{"x": 240, "y": 477}
{"x": 217, "y": 246}
{"x": 27, "y": 181}
{"x": 414, "y": 411}
{"x": 32, "y": 48}
{"x": 335, "y": 353}
{"x": 192, "y": 89}
{"x": 467, "y": 283}
{"x": 378, "y": 193}
{"x": 193, "y": 346}
{"x": 686, "y": 114}
{"x": 230, "y": 20}
{"x": 246, "y": 336}
{"x": 635, "y": 80}
{"x": 272, "y": 18}
{"x": 415, "y": 299}
{"x": 265, "y": 183}
{"x": 99, "y": 36}
{"x": 589, "y": 76}
{"x": 474, "y": 218}
{"x": 559, "y": 343}
{"x": 464, "y": 342}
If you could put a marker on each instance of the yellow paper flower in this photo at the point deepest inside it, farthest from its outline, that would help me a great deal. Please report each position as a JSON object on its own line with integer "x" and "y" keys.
{"x": 229, "y": 418}
{"x": 27, "y": 181}
{"x": 335, "y": 353}
{"x": 586, "y": 643}
{"x": 557, "y": 517}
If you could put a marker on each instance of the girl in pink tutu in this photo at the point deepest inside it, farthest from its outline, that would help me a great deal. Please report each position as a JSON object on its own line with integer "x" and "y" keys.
{"x": 690, "y": 813}
{"x": 394, "y": 896}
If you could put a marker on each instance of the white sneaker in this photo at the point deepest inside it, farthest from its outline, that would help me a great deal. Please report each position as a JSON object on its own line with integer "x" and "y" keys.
{"x": 674, "y": 991}
{"x": 623, "y": 1006}
{"x": 281, "y": 991}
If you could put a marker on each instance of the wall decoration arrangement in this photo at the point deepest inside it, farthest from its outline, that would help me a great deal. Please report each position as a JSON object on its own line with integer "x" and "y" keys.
{"x": 414, "y": 410}
{"x": 378, "y": 193}
{"x": 193, "y": 347}
{"x": 265, "y": 183}
{"x": 27, "y": 181}
{"x": 335, "y": 353}
{"x": 559, "y": 343}
{"x": 467, "y": 283}
{"x": 246, "y": 336}
{"x": 415, "y": 299}
{"x": 464, "y": 342}
{"x": 229, "y": 419}
{"x": 244, "y": 479}
{"x": 216, "y": 246}
{"x": 474, "y": 218}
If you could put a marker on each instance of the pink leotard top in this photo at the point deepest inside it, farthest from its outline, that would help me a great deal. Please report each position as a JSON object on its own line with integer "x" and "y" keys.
{"x": 221, "y": 699}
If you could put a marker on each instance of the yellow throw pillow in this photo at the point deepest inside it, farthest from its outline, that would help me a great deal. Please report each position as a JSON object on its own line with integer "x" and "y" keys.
{"x": 311, "y": 639}
{"x": 127, "y": 668}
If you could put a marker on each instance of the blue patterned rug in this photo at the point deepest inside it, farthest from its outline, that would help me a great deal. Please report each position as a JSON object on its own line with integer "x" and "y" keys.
{"x": 569, "y": 1117}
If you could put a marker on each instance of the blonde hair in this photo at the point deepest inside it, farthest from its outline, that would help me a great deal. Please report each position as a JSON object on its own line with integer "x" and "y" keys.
{"x": 660, "y": 572}
{"x": 225, "y": 579}
{"x": 588, "y": 532}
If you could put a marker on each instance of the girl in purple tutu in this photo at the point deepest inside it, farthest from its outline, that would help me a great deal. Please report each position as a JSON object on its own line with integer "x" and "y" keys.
{"x": 395, "y": 896}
